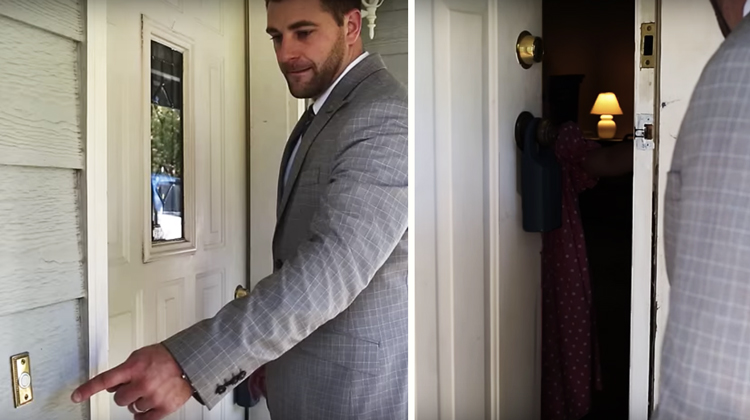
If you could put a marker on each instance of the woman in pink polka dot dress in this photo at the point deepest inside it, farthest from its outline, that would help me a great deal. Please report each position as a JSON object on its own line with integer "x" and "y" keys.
{"x": 569, "y": 363}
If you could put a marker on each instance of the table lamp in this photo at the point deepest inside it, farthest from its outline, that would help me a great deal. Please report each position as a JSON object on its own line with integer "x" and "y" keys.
{"x": 606, "y": 105}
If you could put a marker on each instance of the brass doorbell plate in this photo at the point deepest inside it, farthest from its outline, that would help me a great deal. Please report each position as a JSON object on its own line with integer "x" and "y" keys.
{"x": 20, "y": 366}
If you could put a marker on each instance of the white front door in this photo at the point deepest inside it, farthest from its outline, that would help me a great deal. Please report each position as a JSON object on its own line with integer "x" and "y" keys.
{"x": 478, "y": 273}
{"x": 177, "y": 171}
{"x": 483, "y": 267}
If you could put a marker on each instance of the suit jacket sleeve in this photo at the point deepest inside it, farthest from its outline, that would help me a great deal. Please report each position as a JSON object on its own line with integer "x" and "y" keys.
{"x": 362, "y": 217}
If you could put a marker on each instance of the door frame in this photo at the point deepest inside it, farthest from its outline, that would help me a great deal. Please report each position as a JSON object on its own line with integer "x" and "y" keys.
{"x": 494, "y": 239}
{"x": 95, "y": 209}
{"x": 646, "y": 91}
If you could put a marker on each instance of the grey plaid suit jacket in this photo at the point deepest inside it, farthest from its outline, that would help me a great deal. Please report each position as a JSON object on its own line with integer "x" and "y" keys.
{"x": 331, "y": 321}
{"x": 705, "y": 372}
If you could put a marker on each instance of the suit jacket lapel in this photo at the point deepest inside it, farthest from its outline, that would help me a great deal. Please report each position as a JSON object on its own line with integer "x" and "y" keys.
{"x": 308, "y": 138}
{"x": 290, "y": 143}
{"x": 335, "y": 101}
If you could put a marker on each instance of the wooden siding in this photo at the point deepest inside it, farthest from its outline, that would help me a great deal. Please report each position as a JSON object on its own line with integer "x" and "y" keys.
{"x": 52, "y": 337}
{"x": 391, "y": 37}
{"x": 40, "y": 252}
{"x": 41, "y": 211}
{"x": 61, "y": 17}
{"x": 40, "y": 98}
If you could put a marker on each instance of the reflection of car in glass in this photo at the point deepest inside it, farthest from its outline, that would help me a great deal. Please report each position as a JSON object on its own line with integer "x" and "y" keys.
{"x": 166, "y": 207}
{"x": 166, "y": 192}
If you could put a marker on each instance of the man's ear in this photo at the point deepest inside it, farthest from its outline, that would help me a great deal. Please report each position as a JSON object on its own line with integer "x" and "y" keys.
{"x": 353, "y": 23}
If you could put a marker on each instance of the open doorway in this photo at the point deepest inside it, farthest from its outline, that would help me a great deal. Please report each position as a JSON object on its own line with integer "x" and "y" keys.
{"x": 589, "y": 50}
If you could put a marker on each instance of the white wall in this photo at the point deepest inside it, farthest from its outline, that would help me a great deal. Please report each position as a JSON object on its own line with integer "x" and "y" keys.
{"x": 689, "y": 36}
{"x": 41, "y": 158}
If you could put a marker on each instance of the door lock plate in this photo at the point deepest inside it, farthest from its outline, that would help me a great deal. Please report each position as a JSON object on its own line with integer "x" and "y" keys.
{"x": 20, "y": 366}
{"x": 648, "y": 45}
{"x": 644, "y": 132}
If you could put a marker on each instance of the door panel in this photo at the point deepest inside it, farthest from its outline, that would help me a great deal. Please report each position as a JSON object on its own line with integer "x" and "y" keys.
{"x": 460, "y": 69}
{"x": 514, "y": 319}
{"x": 458, "y": 202}
{"x": 478, "y": 288}
{"x": 152, "y": 300}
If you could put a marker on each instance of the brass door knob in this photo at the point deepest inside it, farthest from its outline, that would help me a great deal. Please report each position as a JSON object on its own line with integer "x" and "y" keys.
{"x": 240, "y": 292}
{"x": 529, "y": 49}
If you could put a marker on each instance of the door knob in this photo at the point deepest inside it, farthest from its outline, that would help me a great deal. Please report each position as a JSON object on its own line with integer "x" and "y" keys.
{"x": 240, "y": 292}
{"x": 529, "y": 49}
{"x": 546, "y": 132}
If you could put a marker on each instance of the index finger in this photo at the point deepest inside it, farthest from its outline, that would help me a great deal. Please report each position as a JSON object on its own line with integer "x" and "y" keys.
{"x": 106, "y": 380}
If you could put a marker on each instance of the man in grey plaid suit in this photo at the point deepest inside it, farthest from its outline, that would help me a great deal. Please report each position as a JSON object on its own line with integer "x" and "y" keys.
{"x": 705, "y": 372}
{"x": 330, "y": 324}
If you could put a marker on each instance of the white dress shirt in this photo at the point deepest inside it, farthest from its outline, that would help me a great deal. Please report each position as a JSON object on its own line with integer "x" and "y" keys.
{"x": 318, "y": 104}
{"x": 746, "y": 9}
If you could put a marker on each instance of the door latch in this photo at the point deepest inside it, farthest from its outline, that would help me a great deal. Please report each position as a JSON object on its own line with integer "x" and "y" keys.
{"x": 644, "y": 132}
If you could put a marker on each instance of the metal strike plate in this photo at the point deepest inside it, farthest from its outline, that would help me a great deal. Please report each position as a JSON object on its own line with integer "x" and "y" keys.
{"x": 648, "y": 45}
{"x": 644, "y": 132}
{"x": 20, "y": 366}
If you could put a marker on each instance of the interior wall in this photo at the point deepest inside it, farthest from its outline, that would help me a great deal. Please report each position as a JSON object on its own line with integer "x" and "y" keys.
{"x": 594, "y": 38}
{"x": 391, "y": 37}
{"x": 689, "y": 37}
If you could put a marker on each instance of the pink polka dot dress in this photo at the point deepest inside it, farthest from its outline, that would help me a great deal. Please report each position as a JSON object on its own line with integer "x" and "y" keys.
{"x": 570, "y": 368}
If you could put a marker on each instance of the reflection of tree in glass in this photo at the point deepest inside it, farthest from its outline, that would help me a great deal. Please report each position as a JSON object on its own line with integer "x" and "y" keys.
{"x": 166, "y": 141}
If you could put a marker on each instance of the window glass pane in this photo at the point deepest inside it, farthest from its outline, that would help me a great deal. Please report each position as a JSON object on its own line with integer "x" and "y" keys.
{"x": 167, "y": 218}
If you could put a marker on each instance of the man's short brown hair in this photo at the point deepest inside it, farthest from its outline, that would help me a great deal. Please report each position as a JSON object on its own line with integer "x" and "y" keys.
{"x": 337, "y": 8}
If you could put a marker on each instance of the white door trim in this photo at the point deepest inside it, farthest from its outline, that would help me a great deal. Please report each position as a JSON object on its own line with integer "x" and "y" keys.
{"x": 95, "y": 207}
{"x": 493, "y": 213}
{"x": 645, "y": 89}
{"x": 411, "y": 284}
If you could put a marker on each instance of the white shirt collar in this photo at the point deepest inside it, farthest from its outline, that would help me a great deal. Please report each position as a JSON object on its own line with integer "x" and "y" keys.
{"x": 746, "y": 9}
{"x": 322, "y": 99}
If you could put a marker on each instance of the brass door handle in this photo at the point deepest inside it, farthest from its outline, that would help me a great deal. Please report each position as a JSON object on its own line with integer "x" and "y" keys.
{"x": 529, "y": 49}
{"x": 240, "y": 292}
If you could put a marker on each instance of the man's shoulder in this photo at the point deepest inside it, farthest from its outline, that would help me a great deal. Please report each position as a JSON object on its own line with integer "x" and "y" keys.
{"x": 714, "y": 123}
{"x": 725, "y": 79}
{"x": 733, "y": 55}
{"x": 379, "y": 87}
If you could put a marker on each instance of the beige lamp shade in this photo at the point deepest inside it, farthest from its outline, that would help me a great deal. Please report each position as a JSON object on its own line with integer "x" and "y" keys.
{"x": 606, "y": 104}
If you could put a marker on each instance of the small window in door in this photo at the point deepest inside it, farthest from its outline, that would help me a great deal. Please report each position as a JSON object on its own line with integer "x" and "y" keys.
{"x": 167, "y": 198}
